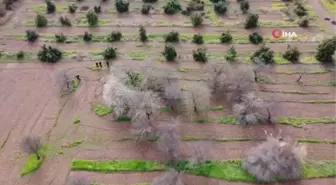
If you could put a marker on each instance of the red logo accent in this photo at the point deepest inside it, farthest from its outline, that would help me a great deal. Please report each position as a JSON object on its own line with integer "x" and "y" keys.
{"x": 276, "y": 33}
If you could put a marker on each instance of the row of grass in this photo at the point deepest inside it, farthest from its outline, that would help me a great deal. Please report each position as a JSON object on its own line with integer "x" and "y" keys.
{"x": 192, "y": 138}
{"x": 143, "y": 55}
{"x": 330, "y": 5}
{"x": 296, "y": 122}
{"x": 230, "y": 170}
{"x": 209, "y": 38}
{"x": 292, "y": 92}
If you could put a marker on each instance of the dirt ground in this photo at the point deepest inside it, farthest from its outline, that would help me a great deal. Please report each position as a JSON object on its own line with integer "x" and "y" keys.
{"x": 31, "y": 102}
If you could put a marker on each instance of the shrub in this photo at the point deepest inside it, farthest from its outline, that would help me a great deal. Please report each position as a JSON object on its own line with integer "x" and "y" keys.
{"x": 325, "y": 50}
{"x": 198, "y": 39}
{"x": 196, "y": 19}
{"x": 231, "y": 54}
{"x": 255, "y": 38}
{"x": 92, "y": 18}
{"x": 300, "y": 10}
{"x": 244, "y": 6}
{"x": 200, "y": 55}
{"x": 60, "y": 38}
{"x": 31, "y": 35}
{"x": 252, "y": 21}
{"x": 169, "y": 53}
{"x": 216, "y": 1}
{"x": 143, "y": 34}
{"x": 49, "y": 54}
{"x": 87, "y": 37}
{"x": 172, "y": 7}
{"x": 303, "y": 22}
{"x": 20, "y": 55}
{"x": 41, "y": 21}
{"x": 110, "y": 53}
{"x": 292, "y": 54}
{"x": 149, "y": 1}
{"x": 265, "y": 54}
{"x": 51, "y": 8}
{"x": 226, "y": 37}
{"x": 114, "y": 36}
{"x": 193, "y": 5}
{"x": 64, "y": 21}
{"x": 72, "y": 8}
{"x": 220, "y": 7}
{"x": 97, "y": 9}
{"x": 32, "y": 145}
{"x": 172, "y": 36}
{"x": 274, "y": 159}
{"x": 146, "y": 9}
{"x": 122, "y": 5}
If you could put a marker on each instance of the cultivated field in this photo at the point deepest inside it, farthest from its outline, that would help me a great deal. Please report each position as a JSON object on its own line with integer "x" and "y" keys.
{"x": 84, "y": 135}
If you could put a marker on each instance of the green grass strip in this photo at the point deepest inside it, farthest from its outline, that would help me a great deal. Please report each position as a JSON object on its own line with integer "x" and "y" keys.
{"x": 101, "y": 110}
{"x": 330, "y": 5}
{"x": 117, "y": 165}
{"x": 32, "y": 164}
{"x": 230, "y": 170}
{"x": 296, "y": 122}
{"x": 303, "y": 140}
{"x": 73, "y": 144}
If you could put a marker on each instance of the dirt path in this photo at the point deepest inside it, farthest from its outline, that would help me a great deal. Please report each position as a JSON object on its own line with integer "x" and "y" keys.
{"x": 12, "y": 45}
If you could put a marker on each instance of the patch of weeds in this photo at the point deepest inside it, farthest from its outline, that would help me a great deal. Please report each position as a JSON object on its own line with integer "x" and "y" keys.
{"x": 101, "y": 110}
{"x": 60, "y": 152}
{"x": 230, "y": 170}
{"x": 73, "y": 144}
{"x": 331, "y": 82}
{"x": 213, "y": 17}
{"x": 137, "y": 55}
{"x": 321, "y": 101}
{"x": 316, "y": 71}
{"x": 216, "y": 108}
{"x": 33, "y": 163}
{"x": 122, "y": 119}
{"x": 117, "y": 165}
{"x": 299, "y": 122}
{"x": 264, "y": 79}
{"x": 202, "y": 120}
{"x": 227, "y": 120}
{"x": 76, "y": 120}
{"x": 316, "y": 141}
{"x": 164, "y": 109}
{"x": 330, "y": 5}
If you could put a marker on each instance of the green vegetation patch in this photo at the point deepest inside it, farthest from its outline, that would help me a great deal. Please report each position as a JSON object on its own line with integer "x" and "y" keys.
{"x": 122, "y": 119}
{"x": 216, "y": 108}
{"x": 299, "y": 122}
{"x": 304, "y": 140}
{"x": 316, "y": 71}
{"x": 230, "y": 170}
{"x": 32, "y": 163}
{"x": 101, "y": 110}
{"x": 73, "y": 144}
{"x": 76, "y": 120}
{"x": 117, "y": 165}
{"x": 330, "y": 5}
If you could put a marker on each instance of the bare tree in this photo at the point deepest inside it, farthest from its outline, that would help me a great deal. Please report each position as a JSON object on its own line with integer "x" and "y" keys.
{"x": 80, "y": 180}
{"x": 218, "y": 72}
{"x": 200, "y": 96}
{"x": 201, "y": 153}
{"x": 156, "y": 80}
{"x": 169, "y": 141}
{"x": 258, "y": 66}
{"x": 117, "y": 95}
{"x": 174, "y": 96}
{"x": 64, "y": 80}
{"x": 172, "y": 177}
{"x": 248, "y": 111}
{"x": 274, "y": 158}
{"x": 32, "y": 145}
{"x": 142, "y": 130}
